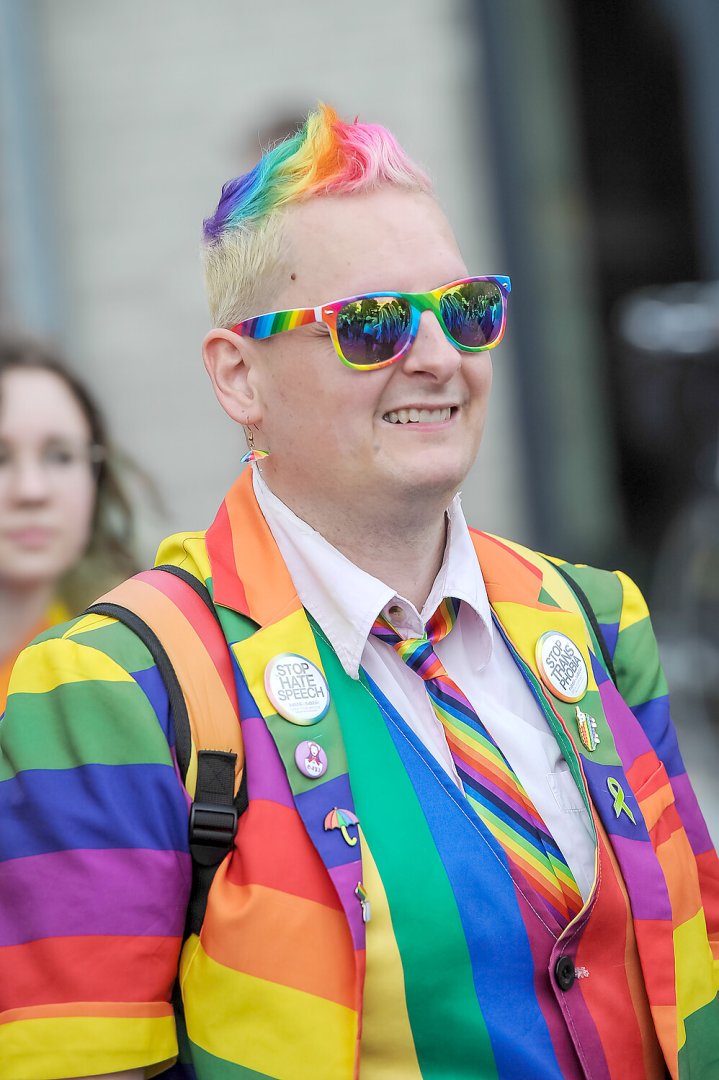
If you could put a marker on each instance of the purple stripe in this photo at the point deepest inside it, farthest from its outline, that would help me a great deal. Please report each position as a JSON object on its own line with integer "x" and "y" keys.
{"x": 644, "y": 879}
{"x": 629, "y": 739}
{"x": 266, "y": 776}
{"x": 540, "y": 943}
{"x": 485, "y": 782}
{"x": 691, "y": 815}
{"x": 133, "y": 892}
{"x": 345, "y": 879}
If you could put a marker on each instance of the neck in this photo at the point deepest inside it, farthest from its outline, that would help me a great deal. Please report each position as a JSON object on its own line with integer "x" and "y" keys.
{"x": 21, "y": 611}
{"x": 404, "y": 549}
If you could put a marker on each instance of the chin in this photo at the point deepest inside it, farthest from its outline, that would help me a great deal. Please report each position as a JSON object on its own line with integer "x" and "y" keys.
{"x": 440, "y": 485}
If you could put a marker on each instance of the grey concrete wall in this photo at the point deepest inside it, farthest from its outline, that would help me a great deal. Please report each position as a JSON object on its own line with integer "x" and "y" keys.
{"x": 149, "y": 106}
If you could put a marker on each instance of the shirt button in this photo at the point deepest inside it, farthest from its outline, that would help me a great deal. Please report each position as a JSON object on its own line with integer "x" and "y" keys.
{"x": 564, "y": 972}
{"x": 395, "y": 612}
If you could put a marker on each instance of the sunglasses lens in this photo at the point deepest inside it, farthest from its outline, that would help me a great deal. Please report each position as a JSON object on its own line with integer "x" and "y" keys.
{"x": 373, "y": 330}
{"x": 472, "y": 313}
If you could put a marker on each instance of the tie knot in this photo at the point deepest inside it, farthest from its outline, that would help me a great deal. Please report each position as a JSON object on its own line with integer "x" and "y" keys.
{"x": 418, "y": 653}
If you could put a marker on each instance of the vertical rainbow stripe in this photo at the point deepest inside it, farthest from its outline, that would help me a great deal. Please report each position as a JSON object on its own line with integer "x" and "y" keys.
{"x": 491, "y": 785}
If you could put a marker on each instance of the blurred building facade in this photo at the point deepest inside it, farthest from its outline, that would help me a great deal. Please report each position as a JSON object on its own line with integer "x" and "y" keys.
{"x": 127, "y": 120}
{"x": 574, "y": 146}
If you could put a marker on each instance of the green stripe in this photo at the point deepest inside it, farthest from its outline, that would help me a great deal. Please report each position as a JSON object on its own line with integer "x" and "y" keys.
{"x": 506, "y": 829}
{"x": 636, "y": 652}
{"x": 209, "y": 1067}
{"x": 699, "y": 1057}
{"x": 412, "y": 874}
{"x": 118, "y": 642}
{"x": 68, "y": 726}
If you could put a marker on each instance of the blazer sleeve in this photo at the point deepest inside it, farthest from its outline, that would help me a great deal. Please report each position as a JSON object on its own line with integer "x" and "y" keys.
{"x": 94, "y": 862}
{"x": 624, "y": 619}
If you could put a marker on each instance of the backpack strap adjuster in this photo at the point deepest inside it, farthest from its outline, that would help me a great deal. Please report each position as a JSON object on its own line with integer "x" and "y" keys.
{"x": 212, "y": 832}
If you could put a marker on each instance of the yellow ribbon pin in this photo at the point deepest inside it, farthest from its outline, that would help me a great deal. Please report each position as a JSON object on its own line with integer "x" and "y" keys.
{"x": 620, "y": 803}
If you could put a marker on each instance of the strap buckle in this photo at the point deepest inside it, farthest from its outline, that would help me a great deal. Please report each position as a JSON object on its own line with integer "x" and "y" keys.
{"x": 212, "y": 832}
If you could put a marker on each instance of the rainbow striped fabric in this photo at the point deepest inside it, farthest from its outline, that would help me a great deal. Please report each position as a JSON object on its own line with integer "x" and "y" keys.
{"x": 490, "y": 783}
{"x": 455, "y": 975}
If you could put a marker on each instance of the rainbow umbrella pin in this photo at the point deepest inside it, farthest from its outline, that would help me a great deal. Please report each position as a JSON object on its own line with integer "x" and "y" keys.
{"x": 341, "y": 819}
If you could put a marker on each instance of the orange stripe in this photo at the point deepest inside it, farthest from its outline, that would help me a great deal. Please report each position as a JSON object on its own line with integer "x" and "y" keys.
{"x": 270, "y": 592}
{"x": 130, "y": 1009}
{"x": 508, "y": 576}
{"x": 487, "y": 766}
{"x": 541, "y": 884}
{"x": 198, "y": 675}
{"x": 202, "y": 621}
{"x": 283, "y": 939}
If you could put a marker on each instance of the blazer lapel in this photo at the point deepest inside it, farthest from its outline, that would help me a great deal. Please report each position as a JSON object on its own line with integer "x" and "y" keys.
{"x": 529, "y": 598}
{"x": 250, "y": 578}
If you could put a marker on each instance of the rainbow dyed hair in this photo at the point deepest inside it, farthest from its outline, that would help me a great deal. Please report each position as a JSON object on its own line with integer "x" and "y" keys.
{"x": 243, "y": 238}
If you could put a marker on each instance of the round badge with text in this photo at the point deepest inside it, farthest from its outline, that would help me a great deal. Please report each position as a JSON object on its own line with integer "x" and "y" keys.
{"x": 561, "y": 666}
{"x": 297, "y": 689}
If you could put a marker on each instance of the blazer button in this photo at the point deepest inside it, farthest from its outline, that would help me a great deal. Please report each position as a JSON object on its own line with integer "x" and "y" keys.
{"x": 564, "y": 972}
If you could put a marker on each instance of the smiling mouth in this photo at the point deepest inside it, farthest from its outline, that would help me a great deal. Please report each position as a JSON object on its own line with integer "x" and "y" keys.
{"x": 419, "y": 416}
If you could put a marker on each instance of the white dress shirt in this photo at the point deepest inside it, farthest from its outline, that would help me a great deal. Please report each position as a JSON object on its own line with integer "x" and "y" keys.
{"x": 345, "y": 601}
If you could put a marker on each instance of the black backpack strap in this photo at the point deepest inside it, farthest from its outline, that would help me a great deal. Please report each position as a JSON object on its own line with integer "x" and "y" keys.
{"x": 591, "y": 618}
{"x": 216, "y": 809}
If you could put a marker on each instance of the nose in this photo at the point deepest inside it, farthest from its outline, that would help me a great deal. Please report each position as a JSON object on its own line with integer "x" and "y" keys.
{"x": 431, "y": 352}
{"x": 29, "y": 482}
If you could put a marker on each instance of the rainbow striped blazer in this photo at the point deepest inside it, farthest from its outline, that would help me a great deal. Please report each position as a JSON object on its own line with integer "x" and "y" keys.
{"x": 459, "y": 973}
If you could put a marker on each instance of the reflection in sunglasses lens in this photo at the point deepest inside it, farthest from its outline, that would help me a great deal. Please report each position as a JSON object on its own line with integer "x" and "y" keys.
{"x": 373, "y": 330}
{"x": 472, "y": 313}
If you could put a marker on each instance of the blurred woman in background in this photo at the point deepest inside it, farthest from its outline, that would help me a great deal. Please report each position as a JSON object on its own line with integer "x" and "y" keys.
{"x": 65, "y": 522}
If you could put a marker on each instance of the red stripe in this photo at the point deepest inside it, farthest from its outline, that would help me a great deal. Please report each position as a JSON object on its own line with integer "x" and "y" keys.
{"x": 226, "y": 585}
{"x": 89, "y": 968}
{"x": 277, "y": 852}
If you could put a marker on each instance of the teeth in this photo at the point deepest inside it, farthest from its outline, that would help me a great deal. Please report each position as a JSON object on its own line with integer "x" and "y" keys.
{"x": 421, "y": 416}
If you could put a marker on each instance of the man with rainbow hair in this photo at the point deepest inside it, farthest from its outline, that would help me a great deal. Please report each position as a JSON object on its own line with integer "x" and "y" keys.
{"x": 468, "y": 847}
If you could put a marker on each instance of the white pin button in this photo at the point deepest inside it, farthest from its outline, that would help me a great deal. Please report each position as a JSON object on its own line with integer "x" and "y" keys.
{"x": 561, "y": 666}
{"x": 297, "y": 689}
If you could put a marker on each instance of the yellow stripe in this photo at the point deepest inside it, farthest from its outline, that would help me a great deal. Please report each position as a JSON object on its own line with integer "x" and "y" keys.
{"x": 694, "y": 966}
{"x": 187, "y": 550}
{"x": 238, "y": 1018}
{"x": 521, "y": 854}
{"x": 57, "y": 662}
{"x": 634, "y": 606}
{"x": 526, "y": 625}
{"x": 56, "y": 1047}
{"x": 87, "y": 623}
{"x": 255, "y": 652}
{"x": 387, "y": 1046}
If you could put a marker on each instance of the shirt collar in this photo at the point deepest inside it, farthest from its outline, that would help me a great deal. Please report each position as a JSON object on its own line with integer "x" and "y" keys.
{"x": 345, "y": 600}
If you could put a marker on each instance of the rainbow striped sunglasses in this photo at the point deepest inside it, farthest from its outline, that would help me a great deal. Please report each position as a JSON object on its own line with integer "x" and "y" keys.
{"x": 377, "y": 329}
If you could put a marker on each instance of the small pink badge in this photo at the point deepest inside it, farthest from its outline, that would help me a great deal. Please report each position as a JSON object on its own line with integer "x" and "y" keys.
{"x": 311, "y": 759}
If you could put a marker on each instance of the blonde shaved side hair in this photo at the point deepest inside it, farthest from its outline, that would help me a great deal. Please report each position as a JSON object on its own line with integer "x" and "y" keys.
{"x": 243, "y": 255}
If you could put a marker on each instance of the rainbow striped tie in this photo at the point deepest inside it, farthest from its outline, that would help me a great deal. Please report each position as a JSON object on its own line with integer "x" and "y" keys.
{"x": 490, "y": 783}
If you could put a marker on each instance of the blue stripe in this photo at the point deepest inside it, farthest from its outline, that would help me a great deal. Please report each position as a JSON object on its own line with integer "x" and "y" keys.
{"x": 540, "y": 841}
{"x": 502, "y": 963}
{"x": 150, "y": 682}
{"x": 93, "y": 806}
{"x": 461, "y": 709}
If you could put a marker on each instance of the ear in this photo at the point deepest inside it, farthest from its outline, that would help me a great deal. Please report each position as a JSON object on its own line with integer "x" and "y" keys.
{"x": 226, "y": 357}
